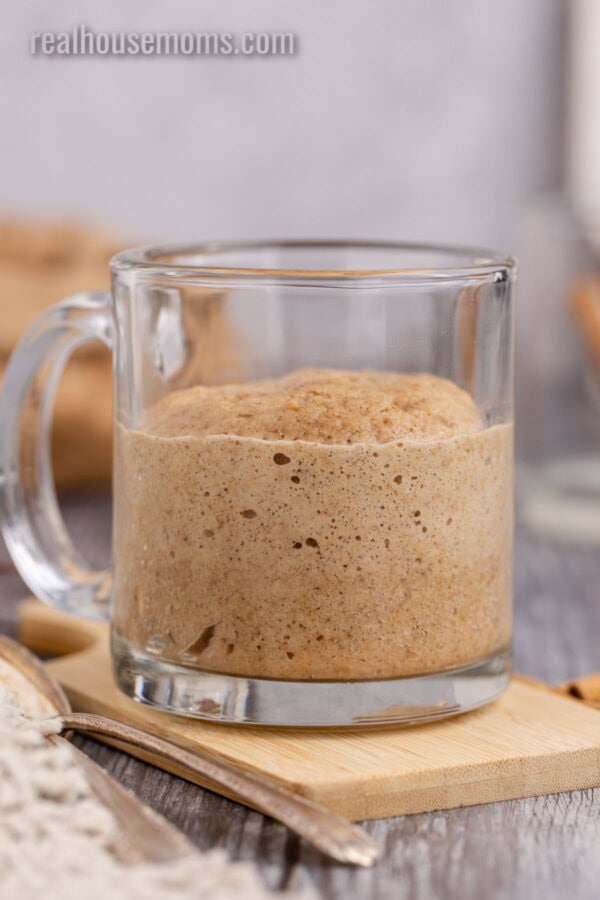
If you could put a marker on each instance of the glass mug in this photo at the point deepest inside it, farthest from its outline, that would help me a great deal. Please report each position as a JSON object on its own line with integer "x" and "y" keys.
{"x": 312, "y": 478}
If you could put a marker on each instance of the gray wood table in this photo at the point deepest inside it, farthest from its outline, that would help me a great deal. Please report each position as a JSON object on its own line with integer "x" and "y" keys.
{"x": 546, "y": 847}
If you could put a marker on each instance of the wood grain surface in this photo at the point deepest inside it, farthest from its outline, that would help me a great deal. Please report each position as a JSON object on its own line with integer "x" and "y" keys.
{"x": 531, "y": 741}
{"x": 546, "y": 847}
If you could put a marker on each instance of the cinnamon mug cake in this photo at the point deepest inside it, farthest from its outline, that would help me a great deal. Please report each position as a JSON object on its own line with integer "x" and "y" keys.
{"x": 327, "y": 525}
{"x": 312, "y": 503}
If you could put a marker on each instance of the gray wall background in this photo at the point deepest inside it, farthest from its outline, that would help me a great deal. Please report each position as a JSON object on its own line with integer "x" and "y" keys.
{"x": 416, "y": 119}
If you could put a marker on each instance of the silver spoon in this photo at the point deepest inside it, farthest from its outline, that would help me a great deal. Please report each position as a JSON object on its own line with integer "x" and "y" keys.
{"x": 328, "y": 832}
{"x": 143, "y": 835}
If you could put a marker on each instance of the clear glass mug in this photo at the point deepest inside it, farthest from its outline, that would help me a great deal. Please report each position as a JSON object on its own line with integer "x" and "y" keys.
{"x": 312, "y": 479}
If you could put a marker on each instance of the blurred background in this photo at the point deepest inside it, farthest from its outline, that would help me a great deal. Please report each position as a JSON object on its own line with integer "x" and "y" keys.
{"x": 427, "y": 120}
{"x": 419, "y": 119}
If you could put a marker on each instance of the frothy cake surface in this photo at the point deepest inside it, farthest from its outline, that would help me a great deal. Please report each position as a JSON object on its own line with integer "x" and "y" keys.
{"x": 328, "y": 406}
{"x": 323, "y": 525}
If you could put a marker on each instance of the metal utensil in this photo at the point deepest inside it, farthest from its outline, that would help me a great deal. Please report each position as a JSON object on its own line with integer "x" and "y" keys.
{"x": 330, "y": 833}
{"x": 144, "y": 835}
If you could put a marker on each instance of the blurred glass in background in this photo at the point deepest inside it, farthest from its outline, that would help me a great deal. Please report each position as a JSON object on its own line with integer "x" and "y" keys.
{"x": 558, "y": 372}
{"x": 558, "y": 355}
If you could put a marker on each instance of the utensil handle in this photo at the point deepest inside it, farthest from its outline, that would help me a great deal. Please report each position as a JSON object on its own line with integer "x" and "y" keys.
{"x": 330, "y": 833}
{"x": 32, "y": 525}
{"x": 144, "y": 836}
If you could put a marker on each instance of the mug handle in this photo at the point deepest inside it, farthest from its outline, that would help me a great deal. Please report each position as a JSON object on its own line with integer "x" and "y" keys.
{"x": 32, "y": 524}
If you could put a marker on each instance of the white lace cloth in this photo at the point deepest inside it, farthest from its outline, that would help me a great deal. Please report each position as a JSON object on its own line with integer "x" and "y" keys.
{"x": 56, "y": 837}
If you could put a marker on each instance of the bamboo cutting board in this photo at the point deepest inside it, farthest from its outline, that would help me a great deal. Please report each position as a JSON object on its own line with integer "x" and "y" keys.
{"x": 531, "y": 741}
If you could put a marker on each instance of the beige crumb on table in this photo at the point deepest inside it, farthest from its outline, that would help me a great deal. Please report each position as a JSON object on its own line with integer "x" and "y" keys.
{"x": 323, "y": 525}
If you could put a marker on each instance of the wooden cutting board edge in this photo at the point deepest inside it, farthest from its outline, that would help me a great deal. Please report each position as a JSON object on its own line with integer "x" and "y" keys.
{"x": 369, "y": 797}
